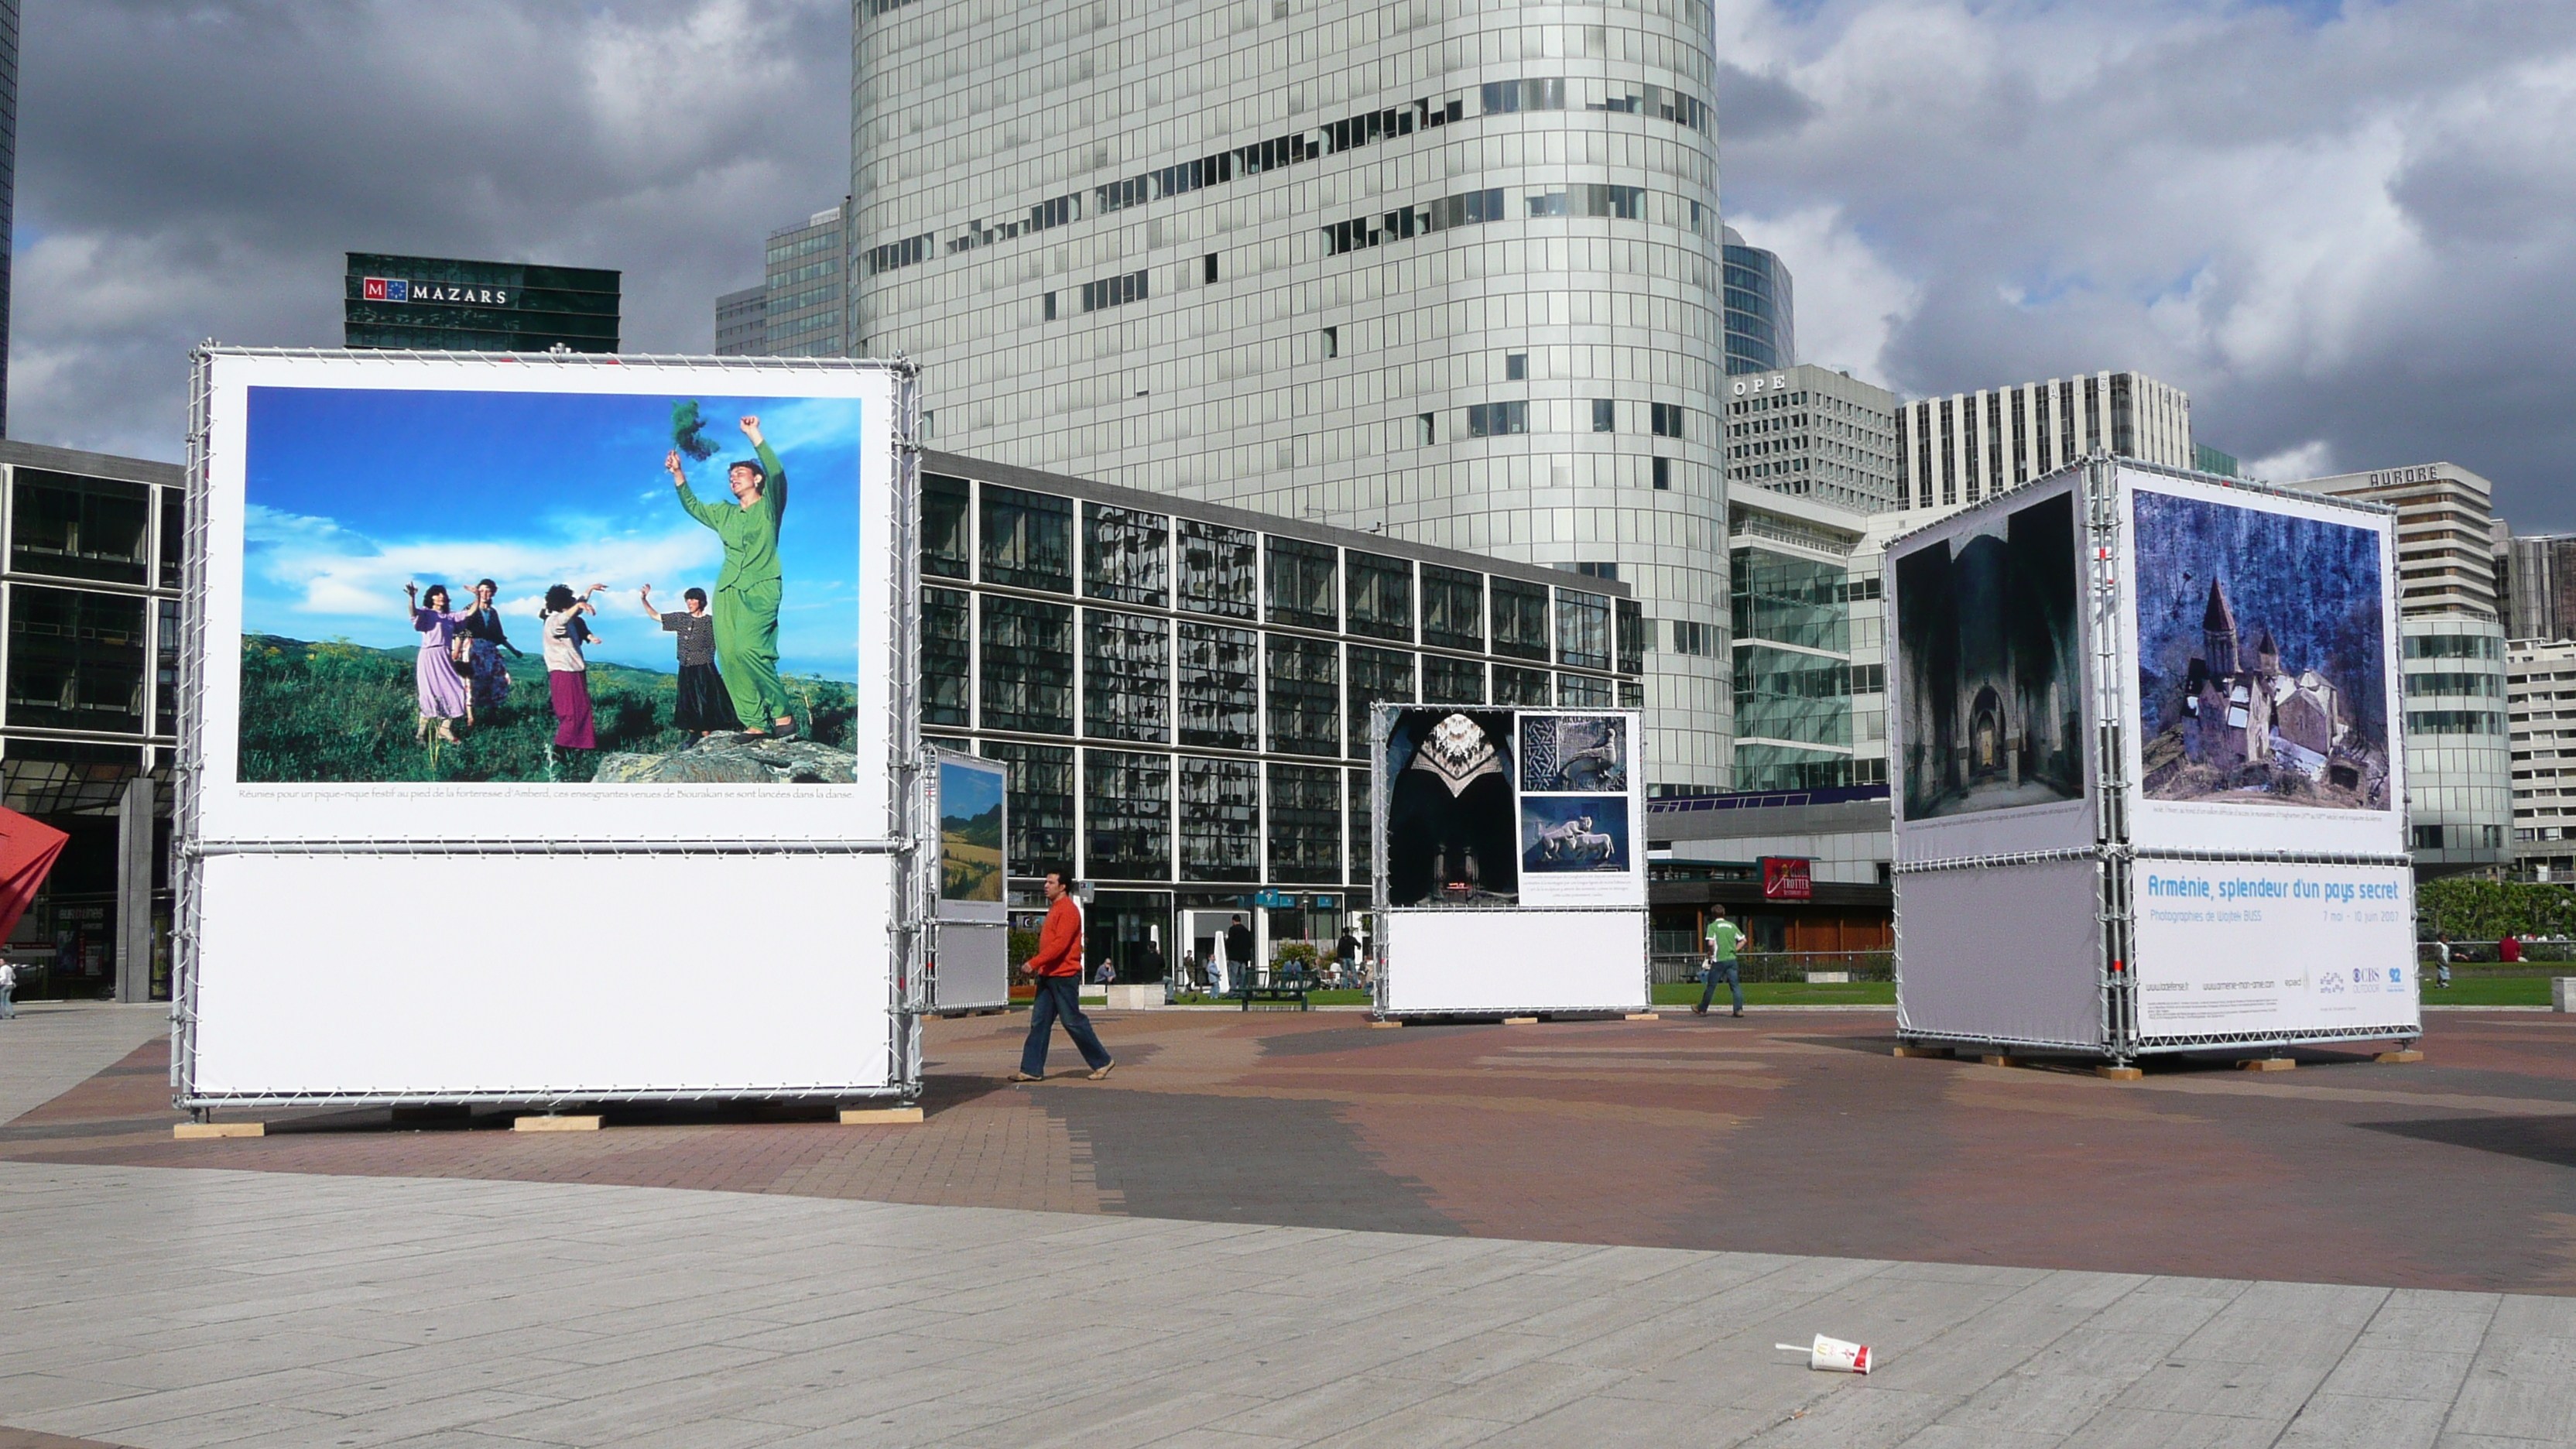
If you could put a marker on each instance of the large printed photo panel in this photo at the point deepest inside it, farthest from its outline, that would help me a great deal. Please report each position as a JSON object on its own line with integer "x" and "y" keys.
{"x": 432, "y": 585}
{"x": 1452, "y": 838}
{"x": 1988, "y": 722}
{"x": 2263, "y": 630}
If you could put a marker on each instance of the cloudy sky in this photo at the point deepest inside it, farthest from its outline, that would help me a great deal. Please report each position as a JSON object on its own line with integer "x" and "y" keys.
{"x": 2348, "y": 230}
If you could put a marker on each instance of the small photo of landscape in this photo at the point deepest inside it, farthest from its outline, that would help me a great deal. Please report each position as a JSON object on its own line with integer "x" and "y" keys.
{"x": 970, "y": 834}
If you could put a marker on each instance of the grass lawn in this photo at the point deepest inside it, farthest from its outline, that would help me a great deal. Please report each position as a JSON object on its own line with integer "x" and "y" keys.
{"x": 1785, "y": 993}
{"x": 2469, "y": 988}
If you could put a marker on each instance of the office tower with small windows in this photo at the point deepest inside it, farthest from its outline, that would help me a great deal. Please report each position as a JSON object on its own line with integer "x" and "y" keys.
{"x": 1448, "y": 270}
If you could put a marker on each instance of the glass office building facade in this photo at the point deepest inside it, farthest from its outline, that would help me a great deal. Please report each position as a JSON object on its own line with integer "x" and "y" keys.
{"x": 89, "y": 611}
{"x": 1761, "y": 309}
{"x": 1808, "y": 651}
{"x": 1182, "y": 691}
{"x": 1449, "y": 271}
{"x": 442, "y": 304}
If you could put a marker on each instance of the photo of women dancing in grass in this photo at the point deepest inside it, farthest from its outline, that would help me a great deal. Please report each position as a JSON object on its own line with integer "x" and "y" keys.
{"x": 486, "y": 638}
{"x": 703, "y": 708}
{"x": 749, "y": 586}
{"x": 442, "y": 693}
{"x": 567, "y": 675}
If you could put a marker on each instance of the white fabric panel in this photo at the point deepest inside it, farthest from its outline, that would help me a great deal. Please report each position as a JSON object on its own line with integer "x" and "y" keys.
{"x": 2227, "y": 947}
{"x": 562, "y": 974}
{"x": 2001, "y": 953}
{"x": 974, "y": 966}
{"x": 1515, "y": 960}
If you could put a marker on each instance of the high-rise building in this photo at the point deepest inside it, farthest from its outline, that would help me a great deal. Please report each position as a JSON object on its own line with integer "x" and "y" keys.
{"x": 742, "y": 323}
{"x": 1813, "y": 432}
{"x": 1955, "y": 451}
{"x": 2458, "y": 778}
{"x": 2540, "y": 714}
{"x": 2539, "y": 586}
{"x": 804, "y": 308}
{"x": 441, "y": 304}
{"x": 1761, "y": 309}
{"x": 1448, "y": 271}
{"x": 1808, "y": 653}
{"x": 2209, "y": 460}
{"x": 8, "y": 184}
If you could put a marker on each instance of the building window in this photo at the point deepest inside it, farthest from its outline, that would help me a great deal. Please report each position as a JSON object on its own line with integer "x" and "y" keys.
{"x": 1782, "y": 695}
{"x": 80, "y": 528}
{"x": 1453, "y": 608}
{"x": 1520, "y": 619}
{"x": 1690, "y": 638}
{"x": 1050, "y": 306}
{"x": 1304, "y": 696}
{"x": 1605, "y": 415}
{"x": 1207, "y": 266}
{"x": 1220, "y": 687}
{"x": 1789, "y": 601}
{"x": 1027, "y": 673}
{"x": 1521, "y": 686}
{"x": 165, "y": 669}
{"x": 945, "y": 550}
{"x": 1220, "y": 820}
{"x": 1495, "y": 420}
{"x": 1028, "y": 540}
{"x": 1126, "y": 815}
{"x": 1452, "y": 681}
{"x": 1126, "y": 677}
{"x": 1301, "y": 583}
{"x": 1376, "y": 675}
{"x": 1220, "y": 569}
{"x": 1378, "y": 599}
{"x": 76, "y": 660}
{"x": 1515, "y": 367}
{"x": 1632, "y": 694}
{"x": 947, "y": 654}
{"x": 174, "y": 536}
{"x": 1582, "y": 630}
{"x": 1667, "y": 419}
{"x": 1039, "y": 791}
{"x": 1583, "y": 691}
{"x": 1424, "y": 432}
{"x": 1126, "y": 557}
{"x": 1663, "y": 473}
{"x": 1363, "y": 851}
{"x": 1631, "y": 635}
{"x": 2428, "y": 837}
{"x": 1305, "y": 829}
{"x": 1332, "y": 342}
{"x": 1115, "y": 291}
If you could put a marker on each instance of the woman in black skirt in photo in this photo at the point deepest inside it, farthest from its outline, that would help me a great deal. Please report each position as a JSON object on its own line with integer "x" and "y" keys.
{"x": 705, "y": 708}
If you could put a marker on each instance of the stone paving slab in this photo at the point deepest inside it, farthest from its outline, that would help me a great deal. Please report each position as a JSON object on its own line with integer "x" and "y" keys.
{"x": 53, "y": 1047}
{"x": 174, "y": 1309}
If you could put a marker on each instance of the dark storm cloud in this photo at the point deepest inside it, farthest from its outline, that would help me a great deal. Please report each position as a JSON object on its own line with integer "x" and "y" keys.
{"x": 192, "y": 171}
{"x": 2349, "y": 231}
{"x": 1755, "y": 104}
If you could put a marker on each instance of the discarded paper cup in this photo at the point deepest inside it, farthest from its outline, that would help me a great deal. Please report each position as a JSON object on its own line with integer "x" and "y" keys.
{"x": 1832, "y": 1355}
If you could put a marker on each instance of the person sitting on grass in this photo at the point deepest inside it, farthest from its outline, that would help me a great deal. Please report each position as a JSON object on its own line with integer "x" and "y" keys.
{"x": 704, "y": 708}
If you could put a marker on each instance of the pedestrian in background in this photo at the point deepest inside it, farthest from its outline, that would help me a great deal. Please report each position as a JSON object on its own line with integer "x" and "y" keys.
{"x": 1722, "y": 938}
{"x": 2509, "y": 950}
{"x": 1347, "y": 952}
{"x": 2442, "y": 959}
{"x": 1238, "y": 954}
{"x": 8, "y": 985}
{"x": 1057, "y": 970}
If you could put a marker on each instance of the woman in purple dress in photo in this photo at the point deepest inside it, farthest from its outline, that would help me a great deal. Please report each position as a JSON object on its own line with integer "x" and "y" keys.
{"x": 443, "y": 697}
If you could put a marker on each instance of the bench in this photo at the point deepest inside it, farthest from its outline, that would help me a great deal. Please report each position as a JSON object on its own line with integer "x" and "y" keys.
{"x": 1284, "y": 987}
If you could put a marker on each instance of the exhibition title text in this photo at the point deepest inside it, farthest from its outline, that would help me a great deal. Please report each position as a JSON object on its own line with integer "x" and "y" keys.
{"x": 2268, "y": 888}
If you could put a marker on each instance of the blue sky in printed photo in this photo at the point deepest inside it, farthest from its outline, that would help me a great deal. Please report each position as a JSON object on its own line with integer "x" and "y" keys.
{"x": 354, "y": 492}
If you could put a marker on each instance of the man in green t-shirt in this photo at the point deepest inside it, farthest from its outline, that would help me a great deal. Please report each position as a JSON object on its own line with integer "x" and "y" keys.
{"x": 1722, "y": 936}
{"x": 747, "y": 588}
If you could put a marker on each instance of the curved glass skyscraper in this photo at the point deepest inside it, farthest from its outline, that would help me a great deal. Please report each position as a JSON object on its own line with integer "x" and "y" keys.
{"x": 1449, "y": 269}
{"x": 1761, "y": 330}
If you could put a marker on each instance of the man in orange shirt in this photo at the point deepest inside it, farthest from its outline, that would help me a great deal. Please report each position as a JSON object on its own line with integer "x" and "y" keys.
{"x": 1057, "y": 969}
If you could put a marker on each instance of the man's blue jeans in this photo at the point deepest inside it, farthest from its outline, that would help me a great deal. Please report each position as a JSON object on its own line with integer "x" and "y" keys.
{"x": 1726, "y": 971}
{"x": 1060, "y": 996}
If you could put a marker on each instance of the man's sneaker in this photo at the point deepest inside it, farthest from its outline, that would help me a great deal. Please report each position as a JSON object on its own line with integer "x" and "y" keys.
{"x": 1699, "y": 1011}
{"x": 1739, "y": 1011}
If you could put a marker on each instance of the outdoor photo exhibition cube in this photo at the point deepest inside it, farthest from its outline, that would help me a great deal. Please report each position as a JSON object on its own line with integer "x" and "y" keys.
{"x": 1509, "y": 878}
{"x": 536, "y": 749}
{"x": 970, "y": 940}
{"x": 2146, "y": 774}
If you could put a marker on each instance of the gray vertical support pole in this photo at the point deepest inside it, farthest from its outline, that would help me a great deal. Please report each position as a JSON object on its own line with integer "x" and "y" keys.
{"x": 134, "y": 891}
{"x": 2112, "y": 679}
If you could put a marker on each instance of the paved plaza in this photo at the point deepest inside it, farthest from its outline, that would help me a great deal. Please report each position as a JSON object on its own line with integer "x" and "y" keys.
{"x": 1284, "y": 1229}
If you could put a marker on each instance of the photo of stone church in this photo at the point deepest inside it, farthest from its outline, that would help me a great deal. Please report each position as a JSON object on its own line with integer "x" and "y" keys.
{"x": 1987, "y": 650}
{"x": 2261, "y": 657}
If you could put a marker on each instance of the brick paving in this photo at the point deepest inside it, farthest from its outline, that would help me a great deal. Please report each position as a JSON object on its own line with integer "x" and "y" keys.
{"x": 1791, "y": 1134}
